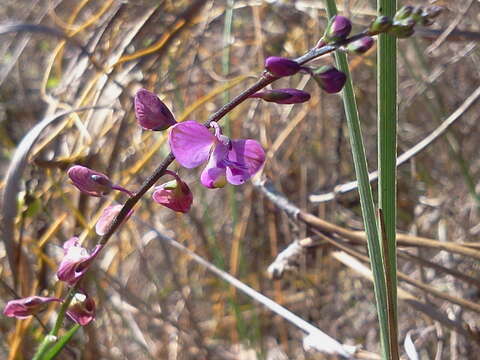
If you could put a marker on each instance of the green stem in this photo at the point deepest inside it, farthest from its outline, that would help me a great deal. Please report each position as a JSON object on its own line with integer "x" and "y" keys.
{"x": 365, "y": 192}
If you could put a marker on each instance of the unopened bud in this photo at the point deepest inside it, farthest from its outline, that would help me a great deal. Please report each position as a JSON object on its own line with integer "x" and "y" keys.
{"x": 151, "y": 112}
{"x": 280, "y": 66}
{"x": 380, "y": 25}
{"x": 175, "y": 195}
{"x": 283, "y": 96}
{"x": 361, "y": 46}
{"x": 89, "y": 181}
{"x": 338, "y": 29}
{"x": 403, "y": 13}
{"x": 403, "y": 28}
{"x": 330, "y": 79}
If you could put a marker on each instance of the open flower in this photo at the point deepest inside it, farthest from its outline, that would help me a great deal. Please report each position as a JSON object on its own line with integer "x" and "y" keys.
{"x": 175, "y": 194}
{"x": 234, "y": 161}
{"x": 108, "y": 214}
{"x": 82, "y": 309}
{"x": 75, "y": 262}
{"x": 151, "y": 112}
{"x": 23, "y": 308}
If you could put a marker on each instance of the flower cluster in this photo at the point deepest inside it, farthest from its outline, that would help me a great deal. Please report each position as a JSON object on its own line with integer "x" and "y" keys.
{"x": 226, "y": 160}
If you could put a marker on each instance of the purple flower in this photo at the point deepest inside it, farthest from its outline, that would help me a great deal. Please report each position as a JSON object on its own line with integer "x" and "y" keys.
{"x": 108, "y": 214}
{"x": 89, "y": 181}
{"x": 175, "y": 194}
{"x": 234, "y": 161}
{"x": 75, "y": 262}
{"x": 361, "y": 46}
{"x": 283, "y": 96}
{"x": 82, "y": 309}
{"x": 280, "y": 66}
{"x": 338, "y": 29}
{"x": 330, "y": 79}
{"x": 151, "y": 112}
{"x": 23, "y": 308}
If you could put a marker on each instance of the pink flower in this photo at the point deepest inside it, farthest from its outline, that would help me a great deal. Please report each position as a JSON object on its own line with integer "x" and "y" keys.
{"x": 107, "y": 217}
{"x": 151, "y": 112}
{"x": 75, "y": 262}
{"x": 89, "y": 181}
{"x": 23, "y": 308}
{"x": 234, "y": 161}
{"x": 175, "y": 194}
{"x": 82, "y": 309}
{"x": 280, "y": 66}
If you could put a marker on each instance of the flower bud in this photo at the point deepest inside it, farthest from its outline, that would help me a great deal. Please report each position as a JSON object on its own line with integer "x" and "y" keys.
{"x": 151, "y": 112}
{"x": 403, "y": 13}
{"x": 89, "y": 181}
{"x": 361, "y": 46}
{"x": 338, "y": 29}
{"x": 23, "y": 308}
{"x": 110, "y": 212}
{"x": 175, "y": 195}
{"x": 75, "y": 262}
{"x": 380, "y": 25}
{"x": 403, "y": 28}
{"x": 81, "y": 309}
{"x": 330, "y": 79}
{"x": 283, "y": 96}
{"x": 280, "y": 66}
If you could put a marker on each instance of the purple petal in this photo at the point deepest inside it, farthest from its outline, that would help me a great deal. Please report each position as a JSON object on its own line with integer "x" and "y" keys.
{"x": 213, "y": 176}
{"x": 191, "y": 143}
{"x": 23, "y": 308}
{"x": 82, "y": 309}
{"x": 89, "y": 181}
{"x": 244, "y": 159}
{"x": 75, "y": 263}
{"x": 105, "y": 220}
{"x": 151, "y": 112}
{"x": 175, "y": 195}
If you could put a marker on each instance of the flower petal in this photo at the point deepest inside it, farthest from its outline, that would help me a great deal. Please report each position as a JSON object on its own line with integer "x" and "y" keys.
{"x": 244, "y": 159}
{"x": 191, "y": 143}
{"x": 23, "y": 308}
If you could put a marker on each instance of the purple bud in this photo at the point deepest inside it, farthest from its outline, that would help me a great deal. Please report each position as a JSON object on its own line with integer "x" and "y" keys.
{"x": 89, "y": 181}
{"x": 361, "y": 46}
{"x": 280, "y": 66}
{"x": 330, "y": 79}
{"x": 175, "y": 195}
{"x": 338, "y": 28}
{"x": 283, "y": 96}
{"x": 380, "y": 25}
{"x": 151, "y": 112}
{"x": 82, "y": 309}
{"x": 23, "y": 308}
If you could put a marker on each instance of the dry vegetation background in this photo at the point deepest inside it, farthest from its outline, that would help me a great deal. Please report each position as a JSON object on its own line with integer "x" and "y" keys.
{"x": 153, "y": 301}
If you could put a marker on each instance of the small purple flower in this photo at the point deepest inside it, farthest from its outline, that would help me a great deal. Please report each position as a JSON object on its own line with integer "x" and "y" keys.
{"x": 23, "y": 308}
{"x": 338, "y": 29}
{"x": 330, "y": 79}
{"x": 234, "y": 161}
{"x": 75, "y": 262}
{"x": 89, "y": 181}
{"x": 175, "y": 194}
{"x": 361, "y": 46}
{"x": 283, "y": 96}
{"x": 82, "y": 309}
{"x": 151, "y": 112}
{"x": 280, "y": 66}
{"x": 108, "y": 214}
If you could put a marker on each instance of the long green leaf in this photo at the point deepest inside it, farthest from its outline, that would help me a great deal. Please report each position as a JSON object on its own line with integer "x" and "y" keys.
{"x": 365, "y": 192}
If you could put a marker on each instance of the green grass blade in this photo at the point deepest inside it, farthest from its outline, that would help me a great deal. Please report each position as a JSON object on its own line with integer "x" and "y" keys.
{"x": 387, "y": 152}
{"x": 366, "y": 198}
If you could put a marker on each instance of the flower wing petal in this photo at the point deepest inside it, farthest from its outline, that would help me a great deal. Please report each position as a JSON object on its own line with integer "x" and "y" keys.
{"x": 244, "y": 159}
{"x": 190, "y": 143}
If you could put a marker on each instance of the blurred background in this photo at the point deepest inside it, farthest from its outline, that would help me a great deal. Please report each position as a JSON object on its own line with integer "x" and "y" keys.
{"x": 153, "y": 301}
